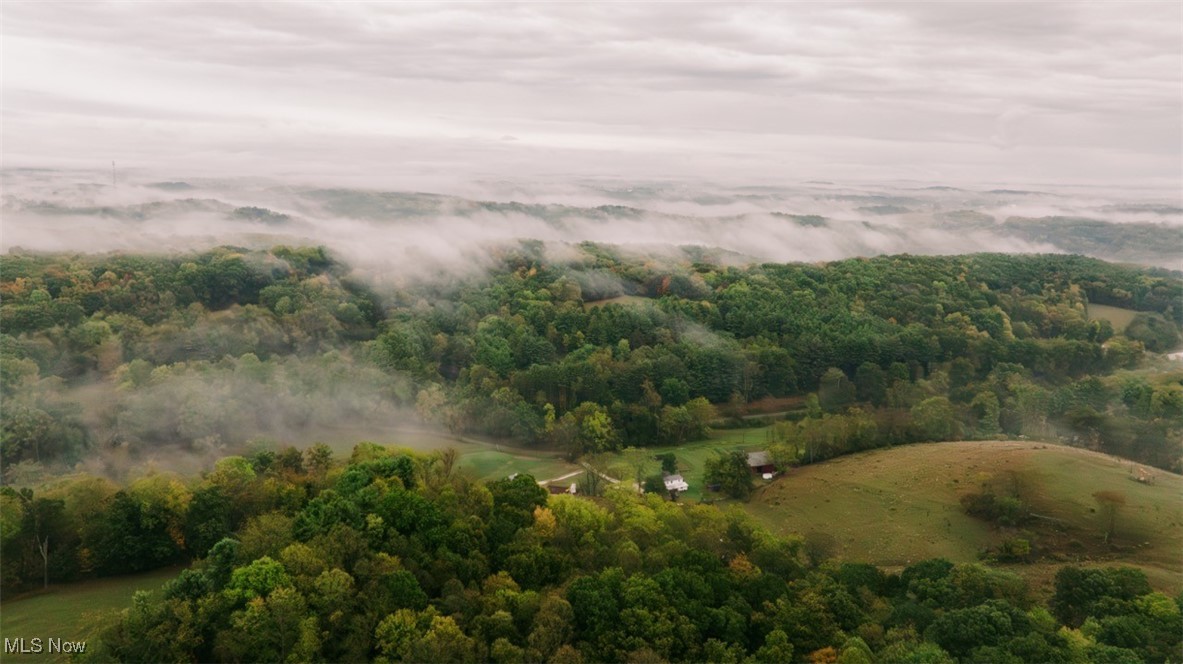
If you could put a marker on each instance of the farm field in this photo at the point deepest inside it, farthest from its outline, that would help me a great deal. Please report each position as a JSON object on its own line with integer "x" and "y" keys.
{"x": 892, "y": 507}
{"x": 1119, "y": 318}
{"x": 69, "y": 611}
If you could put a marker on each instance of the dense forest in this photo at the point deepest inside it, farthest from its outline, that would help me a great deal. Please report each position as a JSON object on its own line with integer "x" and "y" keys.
{"x": 398, "y": 557}
{"x": 238, "y": 357}
{"x": 582, "y": 348}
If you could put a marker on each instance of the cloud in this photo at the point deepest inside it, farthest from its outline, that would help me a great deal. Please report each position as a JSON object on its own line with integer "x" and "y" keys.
{"x": 740, "y": 93}
{"x": 397, "y": 237}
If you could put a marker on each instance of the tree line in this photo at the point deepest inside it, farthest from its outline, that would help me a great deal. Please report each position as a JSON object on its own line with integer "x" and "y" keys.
{"x": 394, "y": 556}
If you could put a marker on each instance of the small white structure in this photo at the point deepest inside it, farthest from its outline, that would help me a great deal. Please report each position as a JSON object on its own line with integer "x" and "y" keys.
{"x": 767, "y": 476}
{"x": 1176, "y": 356}
{"x": 675, "y": 483}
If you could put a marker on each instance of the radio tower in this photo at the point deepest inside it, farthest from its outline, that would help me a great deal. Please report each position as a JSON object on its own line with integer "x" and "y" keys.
{"x": 112, "y": 173}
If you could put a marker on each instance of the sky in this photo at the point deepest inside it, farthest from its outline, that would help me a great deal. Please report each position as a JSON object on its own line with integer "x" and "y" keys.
{"x": 404, "y": 93}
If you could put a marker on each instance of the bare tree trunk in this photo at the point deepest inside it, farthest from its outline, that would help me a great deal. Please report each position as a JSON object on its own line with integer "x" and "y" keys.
{"x": 43, "y": 547}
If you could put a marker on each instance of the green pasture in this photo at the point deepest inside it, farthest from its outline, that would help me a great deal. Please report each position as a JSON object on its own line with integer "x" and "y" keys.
{"x": 895, "y": 506}
{"x": 490, "y": 464}
{"x": 1119, "y": 318}
{"x": 71, "y": 611}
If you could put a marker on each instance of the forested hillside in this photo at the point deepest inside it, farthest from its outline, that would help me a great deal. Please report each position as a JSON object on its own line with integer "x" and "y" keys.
{"x": 205, "y": 352}
{"x": 397, "y": 557}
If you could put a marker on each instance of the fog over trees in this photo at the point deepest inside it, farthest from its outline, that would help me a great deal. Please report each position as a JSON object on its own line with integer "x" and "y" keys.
{"x": 576, "y": 333}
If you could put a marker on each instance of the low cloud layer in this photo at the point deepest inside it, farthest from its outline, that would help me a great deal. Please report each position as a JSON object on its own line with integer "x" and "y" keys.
{"x": 395, "y": 95}
{"x": 402, "y": 235}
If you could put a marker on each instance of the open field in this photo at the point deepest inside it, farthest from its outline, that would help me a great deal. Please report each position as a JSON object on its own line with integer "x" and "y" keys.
{"x": 692, "y": 458}
{"x": 71, "y": 611}
{"x": 895, "y": 506}
{"x": 343, "y": 438}
{"x": 1119, "y": 318}
{"x": 487, "y": 460}
{"x": 488, "y": 465}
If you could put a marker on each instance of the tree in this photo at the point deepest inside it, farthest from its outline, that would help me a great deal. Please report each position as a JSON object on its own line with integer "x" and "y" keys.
{"x": 257, "y": 579}
{"x": 776, "y": 648}
{"x": 653, "y": 484}
{"x": 1080, "y": 592}
{"x": 133, "y": 538}
{"x": 592, "y": 484}
{"x": 42, "y": 517}
{"x": 444, "y": 642}
{"x": 674, "y": 391}
{"x": 870, "y": 383}
{"x": 639, "y": 463}
{"x": 936, "y": 419}
{"x": 669, "y": 463}
{"x": 986, "y": 410}
{"x": 835, "y": 391}
{"x": 989, "y": 624}
{"x": 729, "y": 470}
{"x": 588, "y": 428}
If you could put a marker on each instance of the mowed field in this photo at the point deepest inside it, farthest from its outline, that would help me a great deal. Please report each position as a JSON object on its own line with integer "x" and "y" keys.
{"x": 71, "y": 611}
{"x": 488, "y": 465}
{"x": 486, "y": 460}
{"x": 1119, "y": 318}
{"x": 896, "y": 506}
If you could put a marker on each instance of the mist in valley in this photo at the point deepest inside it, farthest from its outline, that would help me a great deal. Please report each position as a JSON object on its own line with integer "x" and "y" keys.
{"x": 422, "y": 144}
{"x": 413, "y": 235}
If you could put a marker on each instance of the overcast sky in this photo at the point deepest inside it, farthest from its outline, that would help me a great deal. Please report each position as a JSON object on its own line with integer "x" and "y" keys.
{"x": 761, "y": 93}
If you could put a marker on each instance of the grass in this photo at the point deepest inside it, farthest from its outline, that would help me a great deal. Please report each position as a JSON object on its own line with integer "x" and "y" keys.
{"x": 896, "y": 506}
{"x": 1119, "y": 318}
{"x": 343, "y": 438}
{"x": 71, "y": 611}
{"x": 692, "y": 458}
{"x": 486, "y": 460}
{"x": 488, "y": 465}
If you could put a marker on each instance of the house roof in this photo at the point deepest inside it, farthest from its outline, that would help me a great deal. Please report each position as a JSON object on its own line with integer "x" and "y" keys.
{"x": 675, "y": 483}
{"x": 759, "y": 459}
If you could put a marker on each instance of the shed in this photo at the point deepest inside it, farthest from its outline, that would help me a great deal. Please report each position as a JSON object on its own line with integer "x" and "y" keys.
{"x": 761, "y": 462}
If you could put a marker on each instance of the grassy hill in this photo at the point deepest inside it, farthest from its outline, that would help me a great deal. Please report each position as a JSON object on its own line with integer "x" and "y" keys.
{"x": 71, "y": 610}
{"x": 900, "y": 505}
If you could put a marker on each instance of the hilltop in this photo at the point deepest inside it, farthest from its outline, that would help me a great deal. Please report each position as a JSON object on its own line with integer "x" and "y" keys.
{"x": 896, "y": 506}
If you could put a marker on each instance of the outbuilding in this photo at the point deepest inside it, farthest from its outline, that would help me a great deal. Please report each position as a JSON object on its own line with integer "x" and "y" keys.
{"x": 761, "y": 463}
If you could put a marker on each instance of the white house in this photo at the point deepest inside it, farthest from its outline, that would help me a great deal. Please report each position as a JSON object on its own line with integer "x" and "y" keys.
{"x": 675, "y": 483}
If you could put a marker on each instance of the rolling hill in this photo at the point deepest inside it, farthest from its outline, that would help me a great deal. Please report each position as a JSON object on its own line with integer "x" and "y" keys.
{"x": 896, "y": 506}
